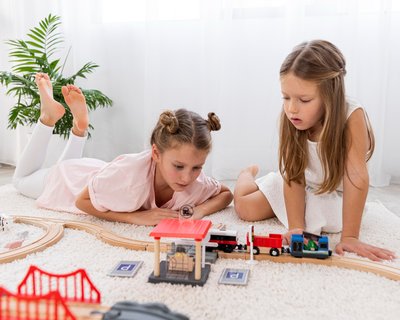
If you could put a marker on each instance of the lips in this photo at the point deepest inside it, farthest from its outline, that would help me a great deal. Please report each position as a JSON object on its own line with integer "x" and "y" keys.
{"x": 182, "y": 185}
{"x": 295, "y": 120}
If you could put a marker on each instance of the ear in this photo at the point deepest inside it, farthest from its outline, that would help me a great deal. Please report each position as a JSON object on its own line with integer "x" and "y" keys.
{"x": 155, "y": 153}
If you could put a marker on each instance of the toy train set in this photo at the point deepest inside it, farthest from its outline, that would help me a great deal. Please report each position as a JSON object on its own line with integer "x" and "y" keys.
{"x": 302, "y": 245}
{"x": 226, "y": 241}
{"x": 179, "y": 262}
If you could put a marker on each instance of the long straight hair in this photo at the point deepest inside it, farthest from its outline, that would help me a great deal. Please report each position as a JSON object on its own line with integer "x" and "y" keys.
{"x": 321, "y": 62}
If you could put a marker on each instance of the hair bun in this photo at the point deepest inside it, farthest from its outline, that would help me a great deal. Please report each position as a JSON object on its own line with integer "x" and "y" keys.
{"x": 169, "y": 121}
{"x": 213, "y": 122}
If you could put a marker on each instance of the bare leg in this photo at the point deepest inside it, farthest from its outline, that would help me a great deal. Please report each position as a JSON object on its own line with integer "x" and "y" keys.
{"x": 77, "y": 103}
{"x": 250, "y": 203}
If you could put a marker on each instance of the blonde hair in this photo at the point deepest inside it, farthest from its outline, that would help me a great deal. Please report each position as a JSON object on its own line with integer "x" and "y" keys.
{"x": 182, "y": 126}
{"x": 321, "y": 62}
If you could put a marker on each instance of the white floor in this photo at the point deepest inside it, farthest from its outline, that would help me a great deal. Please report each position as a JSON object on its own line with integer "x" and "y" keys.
{"x": 389, "y": 196}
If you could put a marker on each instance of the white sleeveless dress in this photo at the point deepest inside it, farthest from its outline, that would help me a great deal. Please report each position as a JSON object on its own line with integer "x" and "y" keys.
{"x": 323, "y": 212}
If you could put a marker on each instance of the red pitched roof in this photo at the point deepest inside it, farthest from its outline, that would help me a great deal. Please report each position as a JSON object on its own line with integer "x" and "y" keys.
{"x": 192, "y": 229}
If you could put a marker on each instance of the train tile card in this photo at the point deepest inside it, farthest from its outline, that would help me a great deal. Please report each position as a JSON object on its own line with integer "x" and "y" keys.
{"x": 234, "y": 276}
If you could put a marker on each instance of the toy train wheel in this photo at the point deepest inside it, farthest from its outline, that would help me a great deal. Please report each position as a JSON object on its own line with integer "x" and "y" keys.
{"x": 274, "y": 252}
{"x": 256, "y": 250}
{"x": 229, "y": 248}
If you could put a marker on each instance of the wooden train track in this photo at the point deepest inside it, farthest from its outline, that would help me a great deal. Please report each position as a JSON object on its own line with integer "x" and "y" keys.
{"x": 54, "y": 229}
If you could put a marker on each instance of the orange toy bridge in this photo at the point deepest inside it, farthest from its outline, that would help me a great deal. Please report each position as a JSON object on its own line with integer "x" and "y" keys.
{"x": 44, "y": 295}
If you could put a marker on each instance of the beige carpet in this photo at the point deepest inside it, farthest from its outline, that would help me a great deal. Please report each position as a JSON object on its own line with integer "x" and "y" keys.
{"x": 274, "y": 291}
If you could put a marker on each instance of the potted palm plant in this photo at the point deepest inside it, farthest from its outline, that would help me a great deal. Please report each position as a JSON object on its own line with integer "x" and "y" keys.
{"x": 37, "y": 55}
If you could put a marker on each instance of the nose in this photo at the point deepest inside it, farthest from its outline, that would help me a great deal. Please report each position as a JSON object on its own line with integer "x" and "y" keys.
{"x": 186, "y": 177}
{"x": 292, "y": 106}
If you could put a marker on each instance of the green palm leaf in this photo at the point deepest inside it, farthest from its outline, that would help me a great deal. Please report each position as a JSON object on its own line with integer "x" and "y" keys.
{"x": 32, "y": 56}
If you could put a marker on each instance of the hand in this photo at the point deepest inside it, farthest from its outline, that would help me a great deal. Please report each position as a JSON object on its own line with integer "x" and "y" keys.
{"x": 197, "y": 215}
{"x": 153, "y": 216}
{"x": 373, "y": 253}
{"x": 288, "y": 235}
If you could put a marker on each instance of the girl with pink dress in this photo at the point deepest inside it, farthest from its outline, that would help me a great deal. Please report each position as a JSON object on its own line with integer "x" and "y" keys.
{"x": 141, "y": 188}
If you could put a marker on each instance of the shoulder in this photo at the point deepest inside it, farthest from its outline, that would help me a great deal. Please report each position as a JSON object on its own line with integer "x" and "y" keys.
{"x": 124, "y": 184}
{"x": 203, "y": 179}
{"x": 126, "y": 167}
{"x": 356, "y": 115}
{"x": 202, "y": 189}
{"x": 357, "y": 120}
{"x": 358, "y": 130}
{"x": 129, "y": 164}
{"x": 136, "y": 159}
{"x": 352, "y": 105}
{"x": 204, "y": 185}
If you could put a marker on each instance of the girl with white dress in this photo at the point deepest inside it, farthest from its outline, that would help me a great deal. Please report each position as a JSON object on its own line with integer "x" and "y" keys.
{"x": 325, "y": 143}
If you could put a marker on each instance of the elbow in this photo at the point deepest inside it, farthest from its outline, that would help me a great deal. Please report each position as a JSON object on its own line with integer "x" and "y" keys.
{"x": 81, "y": 204}
{"x": 225, "y": 196}
{"x": 78, "y": 204}
{"x": 228, "y": 197}
{"x": 359, "y": 180}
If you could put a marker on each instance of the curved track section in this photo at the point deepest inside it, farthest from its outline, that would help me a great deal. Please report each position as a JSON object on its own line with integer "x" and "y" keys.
{"x": 54, "y": 230}
{"x": 53, "y": 233}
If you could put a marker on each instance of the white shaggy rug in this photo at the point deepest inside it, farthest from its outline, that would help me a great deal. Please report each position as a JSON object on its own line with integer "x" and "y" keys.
{"x": 274, "y": 290}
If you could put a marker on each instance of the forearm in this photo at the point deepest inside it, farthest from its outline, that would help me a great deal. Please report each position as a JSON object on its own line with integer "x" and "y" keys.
{"x": 86, "y": 206}
{"x": 355, "y": 193}
{"x": 295, "y": 205}
{"x": 355, "y": 178}
{"x": 214, "y": 204}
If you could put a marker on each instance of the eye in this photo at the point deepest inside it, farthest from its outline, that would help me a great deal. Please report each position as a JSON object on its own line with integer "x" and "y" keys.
{"x": 285, "y": 98}
{"x": 197, "y": 168}
{"x": 178, "y": 166}
{"x": 305, "y": 100}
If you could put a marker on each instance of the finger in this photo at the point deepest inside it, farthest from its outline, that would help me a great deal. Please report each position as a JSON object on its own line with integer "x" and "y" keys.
{"x": 168, "y": 213}
{"x": 171, "y": 215}
{"x": 388, "y": 252}
{"x": 384, "y": 255}
{"x": 368, "y": 254}
{"x": 373, "y": 257}
{"x": 339, "y": 250}
{"x": 378, "y": 249}
{"x": 381, "y": 253}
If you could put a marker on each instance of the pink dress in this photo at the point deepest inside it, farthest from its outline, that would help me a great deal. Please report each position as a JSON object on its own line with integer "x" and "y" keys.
{"x": 124, "y": 185}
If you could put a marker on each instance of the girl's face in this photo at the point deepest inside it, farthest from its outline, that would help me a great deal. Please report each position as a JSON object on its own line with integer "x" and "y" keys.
{"x": 178, "y": 167}
{"x": 302, "y": 103}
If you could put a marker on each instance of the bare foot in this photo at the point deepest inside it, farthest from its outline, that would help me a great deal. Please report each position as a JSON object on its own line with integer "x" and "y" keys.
{"x": 50, "y": 110}
{"x": 76, "y": 101}
{"x": 253, "y": 170}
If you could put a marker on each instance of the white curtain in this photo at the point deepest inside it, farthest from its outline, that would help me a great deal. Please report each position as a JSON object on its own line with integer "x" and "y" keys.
{"x": 221, "y": 56}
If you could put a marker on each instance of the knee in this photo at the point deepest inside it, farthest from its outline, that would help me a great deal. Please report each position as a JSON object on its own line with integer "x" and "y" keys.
{"x": 25, "y": 188}
{"x": 242, "y": 208}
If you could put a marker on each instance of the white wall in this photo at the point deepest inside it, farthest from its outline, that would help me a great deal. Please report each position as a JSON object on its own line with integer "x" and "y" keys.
{"x": 215, "y": 56}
